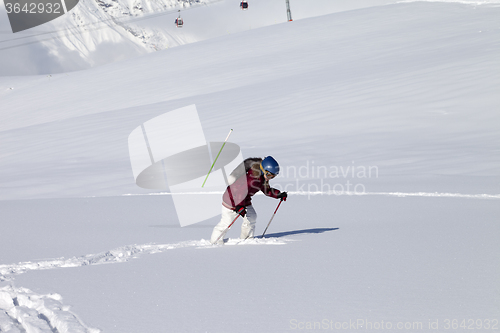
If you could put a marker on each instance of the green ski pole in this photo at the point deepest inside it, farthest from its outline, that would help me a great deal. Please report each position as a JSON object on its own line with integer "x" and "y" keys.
{"x": 208, "y": 174}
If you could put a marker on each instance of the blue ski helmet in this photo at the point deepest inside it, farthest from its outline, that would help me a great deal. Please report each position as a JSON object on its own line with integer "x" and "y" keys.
{"x": 269, "y": 164}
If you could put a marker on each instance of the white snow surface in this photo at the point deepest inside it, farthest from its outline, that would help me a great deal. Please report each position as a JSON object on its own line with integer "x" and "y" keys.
{"x": 98, "y": 32}
{"x": 384, "y": 117}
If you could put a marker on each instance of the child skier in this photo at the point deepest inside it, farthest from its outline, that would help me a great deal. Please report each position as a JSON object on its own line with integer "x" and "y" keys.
{"x": 237, "y": 199}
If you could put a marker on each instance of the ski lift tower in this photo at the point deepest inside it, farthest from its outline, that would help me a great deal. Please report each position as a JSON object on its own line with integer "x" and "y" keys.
{"x": 288, "y": 12}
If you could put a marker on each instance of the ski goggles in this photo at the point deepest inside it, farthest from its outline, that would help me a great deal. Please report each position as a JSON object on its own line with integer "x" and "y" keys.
{"x": 269, "y": 174}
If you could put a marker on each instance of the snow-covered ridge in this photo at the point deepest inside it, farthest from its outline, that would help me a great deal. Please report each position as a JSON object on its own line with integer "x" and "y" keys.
{"x": 98, "y": 32}
{"x": 349, "y": 193}
{"x": 122, "y": 8}
{"x": 94, "y": 33}
{"x": 122, "y": 13}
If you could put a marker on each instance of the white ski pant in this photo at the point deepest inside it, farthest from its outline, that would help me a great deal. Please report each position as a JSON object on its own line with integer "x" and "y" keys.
{"x": 228, "y": 216}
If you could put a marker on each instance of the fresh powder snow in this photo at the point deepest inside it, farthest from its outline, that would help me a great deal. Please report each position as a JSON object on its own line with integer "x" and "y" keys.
{"x": 383, "y": 115}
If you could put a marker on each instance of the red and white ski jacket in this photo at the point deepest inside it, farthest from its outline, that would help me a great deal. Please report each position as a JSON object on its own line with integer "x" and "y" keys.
{"x": 241, "y": 191}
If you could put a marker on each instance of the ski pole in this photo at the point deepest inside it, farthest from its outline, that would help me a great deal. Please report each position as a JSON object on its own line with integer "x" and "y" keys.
{"x": 228, "y": 227}
{"x": 272, "y": 217}
{"x": 217, "y": 157}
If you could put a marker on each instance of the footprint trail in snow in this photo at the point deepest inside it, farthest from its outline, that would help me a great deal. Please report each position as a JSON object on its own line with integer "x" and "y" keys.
{"x": 22, "y": 310}
{"x": 122, "y": 254}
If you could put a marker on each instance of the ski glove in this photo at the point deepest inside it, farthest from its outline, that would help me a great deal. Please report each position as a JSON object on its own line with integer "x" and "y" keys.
{"x": 240, "y": 210}
{"x": 283, "y": 196}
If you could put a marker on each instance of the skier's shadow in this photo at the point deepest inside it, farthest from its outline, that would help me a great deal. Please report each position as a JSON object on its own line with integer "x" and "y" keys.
{"x": 296, "y": 232}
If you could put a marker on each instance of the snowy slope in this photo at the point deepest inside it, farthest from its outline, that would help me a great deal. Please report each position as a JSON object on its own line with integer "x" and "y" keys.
{"x": 105, "y": 31}
{"x": 99, "y": 32}
{"x": 409, "y": 89}
{"x": 339, "y": 259}
{"x": 426, "y": 79}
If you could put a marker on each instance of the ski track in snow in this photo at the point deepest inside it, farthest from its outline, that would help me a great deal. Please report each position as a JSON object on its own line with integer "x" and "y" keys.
{"x": 404, "y": 194}
{"x": 22, "y": 310}
{"x": 122, "y": 254}
{"x": 339, "y": 193}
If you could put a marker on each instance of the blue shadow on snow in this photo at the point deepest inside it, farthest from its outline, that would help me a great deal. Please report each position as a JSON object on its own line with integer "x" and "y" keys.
{"x": 296, "y": 232}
